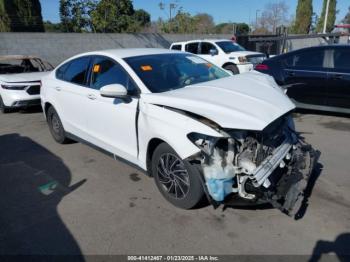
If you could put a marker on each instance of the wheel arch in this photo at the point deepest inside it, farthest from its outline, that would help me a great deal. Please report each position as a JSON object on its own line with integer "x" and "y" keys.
{"x": 228, "y": 63}
{"x": 151, "y": 147}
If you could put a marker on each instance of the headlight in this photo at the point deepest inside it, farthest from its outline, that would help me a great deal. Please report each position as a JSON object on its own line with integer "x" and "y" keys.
{"x": 242, "y": 59}
{"x": 13, "y": 87}
{"x": 203, "y": 142}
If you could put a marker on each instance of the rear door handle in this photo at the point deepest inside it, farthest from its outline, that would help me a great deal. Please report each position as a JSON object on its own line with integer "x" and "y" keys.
{"x": 91, "y": 96}
{"x": 58, "y": 88}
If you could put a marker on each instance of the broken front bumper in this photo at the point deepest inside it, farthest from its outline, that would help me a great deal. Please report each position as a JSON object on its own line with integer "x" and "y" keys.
{"x": 280, "y": 179}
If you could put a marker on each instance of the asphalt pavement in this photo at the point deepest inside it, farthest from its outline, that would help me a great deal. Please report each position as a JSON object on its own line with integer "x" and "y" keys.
{"x": 72, "y": 199}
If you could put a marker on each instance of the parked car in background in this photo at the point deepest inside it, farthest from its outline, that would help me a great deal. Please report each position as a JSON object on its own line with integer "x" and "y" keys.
{"x": 223, "y": 53}
{"x": 20, "y": 81}
{"x": 314, "y": 78}
{"x": 198, "y": 130}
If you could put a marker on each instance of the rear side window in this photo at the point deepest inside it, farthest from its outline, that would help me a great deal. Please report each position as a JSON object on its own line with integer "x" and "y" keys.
{"x": 310, "y": 59}
{"x": 105, "y": 71}
{"x": 206, "y": 47}
{"x": 176, "y": 47}
{"x": 192, "y": 48}
{"x": 76, "y": 71}
{"x": 342, "y": 58}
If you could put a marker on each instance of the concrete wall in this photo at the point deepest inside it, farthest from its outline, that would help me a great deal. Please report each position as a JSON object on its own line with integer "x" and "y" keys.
{"x": 55, "y": 48}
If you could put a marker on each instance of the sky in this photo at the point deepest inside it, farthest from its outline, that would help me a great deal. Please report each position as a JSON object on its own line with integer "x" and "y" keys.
{"x": 221, "y": 10}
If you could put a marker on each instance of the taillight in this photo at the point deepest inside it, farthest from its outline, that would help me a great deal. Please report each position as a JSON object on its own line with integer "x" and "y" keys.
{"x": 262, "y": 67}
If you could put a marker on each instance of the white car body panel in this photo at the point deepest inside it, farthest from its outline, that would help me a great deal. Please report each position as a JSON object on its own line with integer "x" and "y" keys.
{"x": 10, "y": 97}
{"x": 222, "y": 58}
{"x": 249, "y": 101}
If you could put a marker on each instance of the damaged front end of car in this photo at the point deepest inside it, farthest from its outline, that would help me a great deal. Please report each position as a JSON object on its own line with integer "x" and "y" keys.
{"x": 269, "y": 166}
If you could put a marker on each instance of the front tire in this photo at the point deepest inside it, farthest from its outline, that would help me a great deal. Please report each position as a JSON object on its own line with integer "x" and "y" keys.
{"x": 177, "y": 180}
{"x": 232, "y": 68}
{"x": 3, "y": 109}
{"x": 56, "y": 127}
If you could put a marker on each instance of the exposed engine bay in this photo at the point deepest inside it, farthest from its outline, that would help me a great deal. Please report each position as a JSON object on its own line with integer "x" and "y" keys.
{"x": 269, "y": 166}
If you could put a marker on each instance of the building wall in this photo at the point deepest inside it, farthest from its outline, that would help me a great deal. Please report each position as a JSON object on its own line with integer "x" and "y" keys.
{"x": 56, "y": 47}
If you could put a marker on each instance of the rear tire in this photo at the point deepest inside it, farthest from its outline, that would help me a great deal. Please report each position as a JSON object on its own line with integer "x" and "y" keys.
{"x": 232, "y": 68}
{"x": 56, "y": 127}
{"x": 177, "y": 180}
{"x": 3, "y": 109}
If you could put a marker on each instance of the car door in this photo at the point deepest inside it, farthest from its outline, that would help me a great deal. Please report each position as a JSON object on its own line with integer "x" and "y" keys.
{"x": 339, "y": 78}
{"x": 204, "y": 52}
{"x": 192, "y": 47}
{"x": 305, "y": 74}
{"x": 71, "y": 94}
{"x": 112, "y": 121}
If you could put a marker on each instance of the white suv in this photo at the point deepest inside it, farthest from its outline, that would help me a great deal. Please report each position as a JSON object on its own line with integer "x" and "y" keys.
{"x": 223, "y": 53}
{"x": 198, "y": 130}
{"x": 20, "y": 81}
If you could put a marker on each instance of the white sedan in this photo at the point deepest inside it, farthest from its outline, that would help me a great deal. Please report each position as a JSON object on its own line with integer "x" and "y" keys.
{"x": 200, "y": 132}
{"x": 20, "y": 81}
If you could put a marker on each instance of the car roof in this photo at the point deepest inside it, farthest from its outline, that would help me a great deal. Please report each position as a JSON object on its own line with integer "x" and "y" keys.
{"x": 310, "y": 48}
{"x": 201, "y": 40}
{"x": 131, "y": 52}
{"x": 17, "y": 57}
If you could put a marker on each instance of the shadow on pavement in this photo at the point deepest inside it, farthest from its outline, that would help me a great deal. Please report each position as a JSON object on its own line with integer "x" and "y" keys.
{"x": 33, "y": 181}
{"x": 320, "y": 113}
{"x": 308, "y": 191}
{"x": 340, "y": 247}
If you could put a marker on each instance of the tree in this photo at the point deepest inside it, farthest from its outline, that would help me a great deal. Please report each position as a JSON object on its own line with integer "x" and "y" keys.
{"x": 303, "y": 18}
{"x": 116, "y": 16}
{"x": 21, "y": 16}
{"x": 204, "y": 23}
{"x": 273, "y": 16}
{"x": 76, "y": 15}
{"x": 4, "y": 19}
{"x": 227, "y": 28}
{"x": 332, "y": 11}
{"x": 52, "y": 27}
{"x": 346, "y": 19}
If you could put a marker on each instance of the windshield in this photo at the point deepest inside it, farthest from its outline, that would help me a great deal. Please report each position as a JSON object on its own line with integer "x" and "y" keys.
{"x": 229, "y": 46}
{"x": 165, "y": 72}
{"x": 23, "y": 65}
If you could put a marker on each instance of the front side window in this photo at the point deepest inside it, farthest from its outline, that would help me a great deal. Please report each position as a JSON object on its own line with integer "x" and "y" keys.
{"x": 76, "y": 72}
{"x": 206, "y": 47}
{"x": 342, "y": 58}
{"x": 229, "y": 46}
{"x": 165, "y": 72}
{"x": 192, "y": 48}
{"x": 105, "y": 71}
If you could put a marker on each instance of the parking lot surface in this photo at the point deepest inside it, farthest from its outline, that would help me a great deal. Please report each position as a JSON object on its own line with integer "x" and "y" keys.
{"x": 72, "y": 199}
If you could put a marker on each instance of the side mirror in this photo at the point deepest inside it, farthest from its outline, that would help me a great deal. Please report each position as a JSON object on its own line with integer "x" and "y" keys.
{"x": 213, "y": 52}
{"x": 114, "y": 91}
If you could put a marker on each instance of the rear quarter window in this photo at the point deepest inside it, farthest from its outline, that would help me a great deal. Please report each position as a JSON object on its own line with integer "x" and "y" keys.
{"x": 176, "y": 47}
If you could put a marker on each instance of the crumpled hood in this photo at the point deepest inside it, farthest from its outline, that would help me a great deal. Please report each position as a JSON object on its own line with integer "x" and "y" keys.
{"x": 23, "y": 77}
{"x": 249, "y": 101}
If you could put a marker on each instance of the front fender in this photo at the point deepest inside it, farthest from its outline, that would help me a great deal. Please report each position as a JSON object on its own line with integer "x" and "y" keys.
{"x": 171, "y": 127}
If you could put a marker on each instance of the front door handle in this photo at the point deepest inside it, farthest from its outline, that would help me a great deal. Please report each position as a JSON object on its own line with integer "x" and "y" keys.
{"x": 58, "y": 88}
{"x": 91, "y": 96}
{"x": 337, "y": 76}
